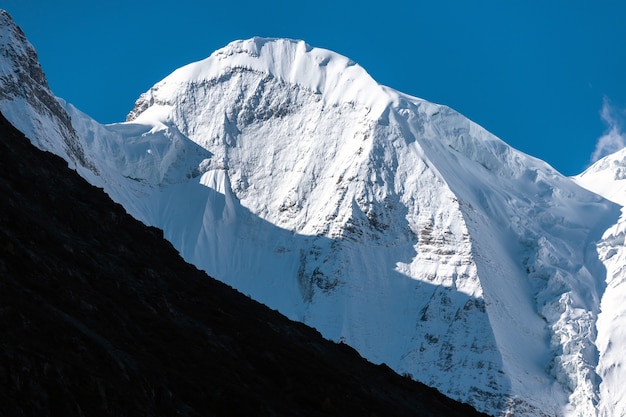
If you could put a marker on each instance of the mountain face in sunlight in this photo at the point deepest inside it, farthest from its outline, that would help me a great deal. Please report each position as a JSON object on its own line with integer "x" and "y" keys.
{"x": 392, "y": 224}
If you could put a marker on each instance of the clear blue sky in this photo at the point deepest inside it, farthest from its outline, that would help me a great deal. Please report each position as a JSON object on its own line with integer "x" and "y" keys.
{"x": 537, "y": 73}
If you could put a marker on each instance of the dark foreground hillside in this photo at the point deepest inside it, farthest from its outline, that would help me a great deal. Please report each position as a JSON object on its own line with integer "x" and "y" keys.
{"x": 99, "y": 316}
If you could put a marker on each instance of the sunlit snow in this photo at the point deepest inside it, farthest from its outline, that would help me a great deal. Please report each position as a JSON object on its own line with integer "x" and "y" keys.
{"x": 389, "y": 223}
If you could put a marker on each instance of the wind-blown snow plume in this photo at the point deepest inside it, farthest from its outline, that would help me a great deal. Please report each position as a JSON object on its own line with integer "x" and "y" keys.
{"x": 614, "y": 137}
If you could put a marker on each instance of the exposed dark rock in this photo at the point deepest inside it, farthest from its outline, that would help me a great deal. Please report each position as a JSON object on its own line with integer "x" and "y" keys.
{"x": 99, "y": 316}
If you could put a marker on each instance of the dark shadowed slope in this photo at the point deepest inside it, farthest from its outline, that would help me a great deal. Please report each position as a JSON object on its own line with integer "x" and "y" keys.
{"x": 99, "y": 316}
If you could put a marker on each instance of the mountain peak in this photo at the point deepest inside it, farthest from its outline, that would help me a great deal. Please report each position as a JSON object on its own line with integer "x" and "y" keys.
{"x": 606, "y": 177}
{"x": 336, "y": 78}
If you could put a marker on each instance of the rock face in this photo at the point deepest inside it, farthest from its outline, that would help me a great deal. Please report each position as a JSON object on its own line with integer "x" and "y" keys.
{"x": 26, "y": 98}
{"x": 386, "y": 222}
{"x": 101, "y": 317}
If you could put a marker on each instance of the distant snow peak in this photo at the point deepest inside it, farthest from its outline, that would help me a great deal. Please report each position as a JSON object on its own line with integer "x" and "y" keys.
{"x": 607, "y": 177}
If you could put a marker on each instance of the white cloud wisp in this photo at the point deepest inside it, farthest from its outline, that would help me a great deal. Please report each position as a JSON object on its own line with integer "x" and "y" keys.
{"x": 614, "y": 137}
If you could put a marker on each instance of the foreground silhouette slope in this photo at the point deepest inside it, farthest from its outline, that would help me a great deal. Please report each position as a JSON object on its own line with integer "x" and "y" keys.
{"x": 99, "y": 316}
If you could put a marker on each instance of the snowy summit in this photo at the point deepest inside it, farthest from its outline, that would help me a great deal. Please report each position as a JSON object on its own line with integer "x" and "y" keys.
{"x": 336, "y": 78}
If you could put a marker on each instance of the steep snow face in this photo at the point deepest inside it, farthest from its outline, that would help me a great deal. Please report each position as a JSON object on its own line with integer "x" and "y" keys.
{"x": 607, "y": 177}
{"x": 26, "y": 100}
{"x": 386, "y": 222}
{"x": 521, "y": 210}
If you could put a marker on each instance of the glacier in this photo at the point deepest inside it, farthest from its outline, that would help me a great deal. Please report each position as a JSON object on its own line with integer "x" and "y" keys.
{"x": 389, "y": 223}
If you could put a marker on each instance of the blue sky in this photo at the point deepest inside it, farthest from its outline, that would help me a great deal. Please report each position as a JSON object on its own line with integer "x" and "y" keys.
{"x": 546, "y": 76}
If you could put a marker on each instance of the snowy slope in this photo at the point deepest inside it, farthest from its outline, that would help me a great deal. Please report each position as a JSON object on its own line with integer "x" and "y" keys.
{"x": 607, "y": 177}
{"x": 390, "y": 223}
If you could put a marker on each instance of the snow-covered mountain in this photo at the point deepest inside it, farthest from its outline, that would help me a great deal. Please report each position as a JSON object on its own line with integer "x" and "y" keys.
{"x": 390, "y": 223}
